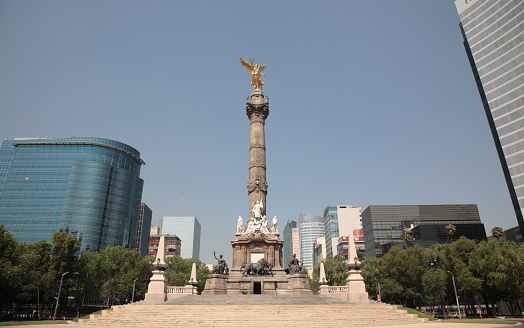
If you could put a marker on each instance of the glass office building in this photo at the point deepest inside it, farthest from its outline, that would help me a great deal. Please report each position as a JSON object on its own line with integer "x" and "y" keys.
{"x": 493, "y": 33}
{"x": 88, "y": 187}
{"x": 287, "y": 237}
{"x": 339, "y": 220}
{"x": 311, "y": 227}
{"x": 385, "y": 224}
{"x": 331, "y": 229}
{"x": 143, "y": 229}
{"x": 188, "y": 230}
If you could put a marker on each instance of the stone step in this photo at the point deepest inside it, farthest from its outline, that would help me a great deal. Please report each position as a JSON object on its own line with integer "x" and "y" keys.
{"x": 255, "y": 300}
{"x": 246, "y": 310}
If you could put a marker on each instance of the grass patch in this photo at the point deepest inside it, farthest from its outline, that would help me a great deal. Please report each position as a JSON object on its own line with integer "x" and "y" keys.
{"x": 420, "y": 314}
{"x": 482, "y": 321}
{"x": 87, "y": 316}
{"x": 32, "y": 323}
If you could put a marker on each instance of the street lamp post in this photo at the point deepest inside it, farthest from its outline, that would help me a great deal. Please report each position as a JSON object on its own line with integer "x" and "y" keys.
{"x": 133, "y": 296}
{"x": 59, "y": 290}
{"x": 456, "y": 295}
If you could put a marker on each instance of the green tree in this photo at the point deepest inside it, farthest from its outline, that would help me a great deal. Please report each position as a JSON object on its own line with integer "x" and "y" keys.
{"x": 64, "y": 258}
{"x": 402, "y": 270}
{"x": 179, "y": 272}
{"x": 38, "y": 285}
{"x": 497, "y": 232}
{"x": 406, "y": 237}
{"x": 10, "y": 278}
{"x": 64, "y": 253}
{"x": 496, "y": 262}
{"x": 336, "y": 270}
{"x": 434, "y": 282}
{"x": 451, "y": 229}
{"x": 110, "y": 275}
{"x": 371, "y": 275}
{"x": 456, "y": 258}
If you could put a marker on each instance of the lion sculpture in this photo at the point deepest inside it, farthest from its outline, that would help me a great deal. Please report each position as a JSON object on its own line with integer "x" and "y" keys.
{"x": 262, "y": 267}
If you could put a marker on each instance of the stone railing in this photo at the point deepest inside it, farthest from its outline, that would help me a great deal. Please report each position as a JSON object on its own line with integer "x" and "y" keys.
{"x": 340, "y": 292}
{"x": 337, "y": 289}
{"x": 179, "y": 291}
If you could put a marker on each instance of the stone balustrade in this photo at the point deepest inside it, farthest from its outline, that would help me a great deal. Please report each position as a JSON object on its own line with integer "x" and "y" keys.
{"x": 179, "y": 291}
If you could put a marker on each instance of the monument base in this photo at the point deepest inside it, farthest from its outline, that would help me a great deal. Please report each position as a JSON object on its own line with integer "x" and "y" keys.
{"x": 277, "y": 284}
{"x": 257, "y": 266}
{"x": 356, "y": 287}
{"x": 157, "y": 289}
{"x": 216, "y": 284}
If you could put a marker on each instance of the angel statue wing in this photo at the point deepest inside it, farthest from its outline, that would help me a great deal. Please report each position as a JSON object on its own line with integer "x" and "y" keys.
{"x": 255, "y": 71}
{"x": 246, "y": 65}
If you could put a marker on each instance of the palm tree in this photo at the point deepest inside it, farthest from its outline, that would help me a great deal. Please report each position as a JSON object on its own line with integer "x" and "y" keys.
{"x": 406, "y": 237}
{"x": 451, "y": 229}
{"x": 497, "y": 232}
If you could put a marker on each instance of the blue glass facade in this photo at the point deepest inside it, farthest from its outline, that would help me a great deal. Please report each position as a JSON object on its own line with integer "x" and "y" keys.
{"x": 287, "y": 237}
{"x": 188, "y": 230}
{"x": 88, "y": 187}
{"x": 311, "y": 227}
{"x": 331, "y": 229}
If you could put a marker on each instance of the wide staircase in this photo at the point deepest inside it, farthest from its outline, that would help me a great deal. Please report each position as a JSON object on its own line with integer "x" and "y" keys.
{"x": 233, "y": 311}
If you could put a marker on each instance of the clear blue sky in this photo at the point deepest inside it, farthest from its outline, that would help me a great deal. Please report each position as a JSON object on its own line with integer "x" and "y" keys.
{"x": 371, "y": 102}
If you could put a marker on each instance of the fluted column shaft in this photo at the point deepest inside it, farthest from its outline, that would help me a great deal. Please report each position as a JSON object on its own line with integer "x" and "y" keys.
{"x": 257, "y": 110}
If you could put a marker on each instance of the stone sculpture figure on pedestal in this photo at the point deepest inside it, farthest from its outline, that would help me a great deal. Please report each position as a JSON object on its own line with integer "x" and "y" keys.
{"x": 294, "y": 265}
{"x": 275, "y": 222}
{"x": 221, "y": 267}
{"x": 257, "y": 209}
{"x": 240, "y": 223}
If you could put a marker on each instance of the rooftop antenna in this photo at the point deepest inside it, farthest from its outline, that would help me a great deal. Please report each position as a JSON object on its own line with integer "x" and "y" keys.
{"x": 181, "y": 203}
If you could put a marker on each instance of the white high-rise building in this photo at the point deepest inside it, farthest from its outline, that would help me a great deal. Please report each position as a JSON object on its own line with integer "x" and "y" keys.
{"x": 311, "y": 227}
{"x": 493, "y": 32}
{"x": 339, "y": 220}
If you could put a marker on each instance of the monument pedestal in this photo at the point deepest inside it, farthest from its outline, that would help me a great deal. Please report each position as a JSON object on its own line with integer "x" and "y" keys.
{"x": 356, "y": 287}
{"x": 299, "y": 283}
{"x": 216, "y": 284}
{"x": 249, "y": 249}
{"x": 157, "y": 289}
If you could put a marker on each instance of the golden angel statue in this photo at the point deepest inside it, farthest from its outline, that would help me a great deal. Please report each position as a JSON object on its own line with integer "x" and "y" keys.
{"x": 255, "y": 70}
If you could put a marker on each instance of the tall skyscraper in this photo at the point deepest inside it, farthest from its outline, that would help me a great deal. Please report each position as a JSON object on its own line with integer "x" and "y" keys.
{"x": 88, "y": 187}
{"x": 339, "y": 221}
{"x": 385, "y": 224}
{"x": 493, "y": 33}
{"x": 188, "y": 230}
{"x": 143, "y": 230}
{"x": 311, "y": 227}
{"x": 287, "y": 236}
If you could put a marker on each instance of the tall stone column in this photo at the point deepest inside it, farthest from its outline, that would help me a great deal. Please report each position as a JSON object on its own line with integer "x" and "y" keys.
{"x": 257, "y": 110}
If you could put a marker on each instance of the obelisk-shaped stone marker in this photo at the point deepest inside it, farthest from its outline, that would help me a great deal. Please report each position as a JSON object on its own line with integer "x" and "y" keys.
{"x": 157, "y": 288}
{"x": 356, "y": 287}
{"x": 322, "y": 279}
